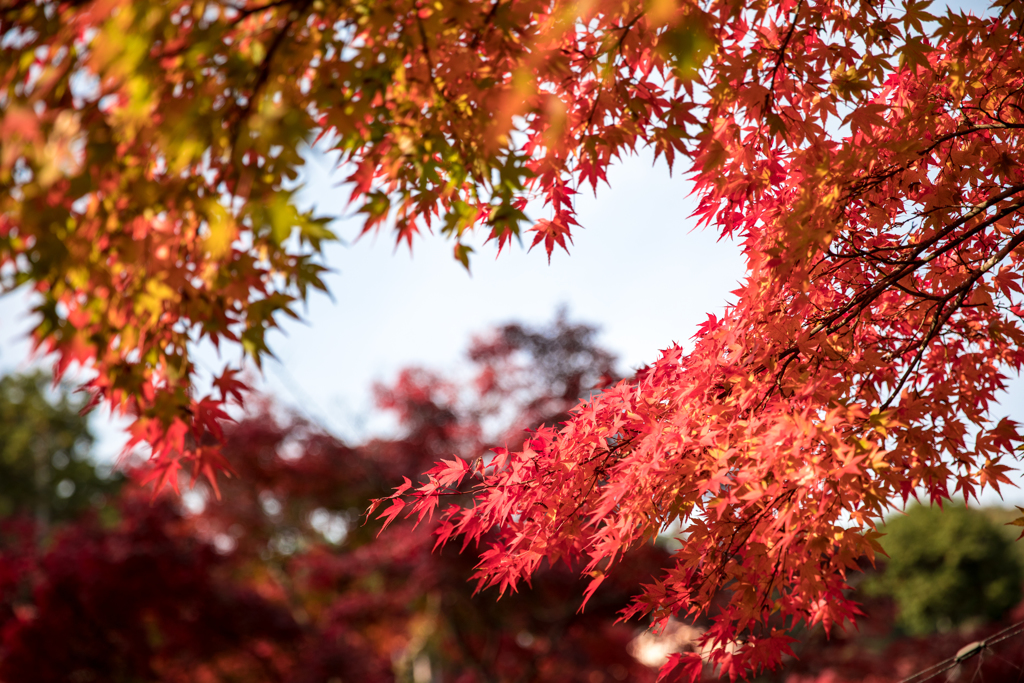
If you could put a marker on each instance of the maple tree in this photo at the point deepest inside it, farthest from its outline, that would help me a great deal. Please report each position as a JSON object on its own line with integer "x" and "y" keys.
{"x": 867, "y": 157}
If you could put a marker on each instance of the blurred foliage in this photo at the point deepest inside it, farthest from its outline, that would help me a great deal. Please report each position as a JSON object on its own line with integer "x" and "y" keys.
{"x": 1004, "y": 519}
{"x": 280, "y": 579}
{"x": 948, "y": 566}
{"x": 45, "y": 440}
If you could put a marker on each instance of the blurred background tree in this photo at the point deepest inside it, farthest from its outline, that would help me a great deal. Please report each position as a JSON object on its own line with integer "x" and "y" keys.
{"x": 279, "y": 579}
{"x": 947, "y": 566}
{"x": 44, "y": 445}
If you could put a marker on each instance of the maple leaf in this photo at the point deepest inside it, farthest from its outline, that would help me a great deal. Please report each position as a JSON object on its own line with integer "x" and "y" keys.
{"x": 230, "y": 387}
{"x": 1018, "y": 522}
{"x": 393, "y": 510}
{"x": 550, "y": 233}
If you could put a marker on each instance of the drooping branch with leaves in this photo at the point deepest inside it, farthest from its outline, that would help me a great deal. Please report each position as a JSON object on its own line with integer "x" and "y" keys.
{"x": 879, "y": 208}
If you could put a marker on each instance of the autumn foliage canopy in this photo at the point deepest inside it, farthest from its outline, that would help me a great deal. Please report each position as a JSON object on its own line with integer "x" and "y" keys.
{"x": 867, "y": 157}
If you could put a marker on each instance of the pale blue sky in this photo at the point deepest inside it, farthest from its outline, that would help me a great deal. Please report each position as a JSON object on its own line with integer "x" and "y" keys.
{"x": 637, "y": 270}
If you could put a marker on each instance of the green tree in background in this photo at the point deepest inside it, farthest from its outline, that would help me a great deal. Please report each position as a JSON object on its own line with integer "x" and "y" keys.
{"x": 44, "y": 444}
{"x": 947, "y": 566}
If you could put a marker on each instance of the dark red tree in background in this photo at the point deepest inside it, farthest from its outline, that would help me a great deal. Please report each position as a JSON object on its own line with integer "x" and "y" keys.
{"x": 279, "y": 579}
